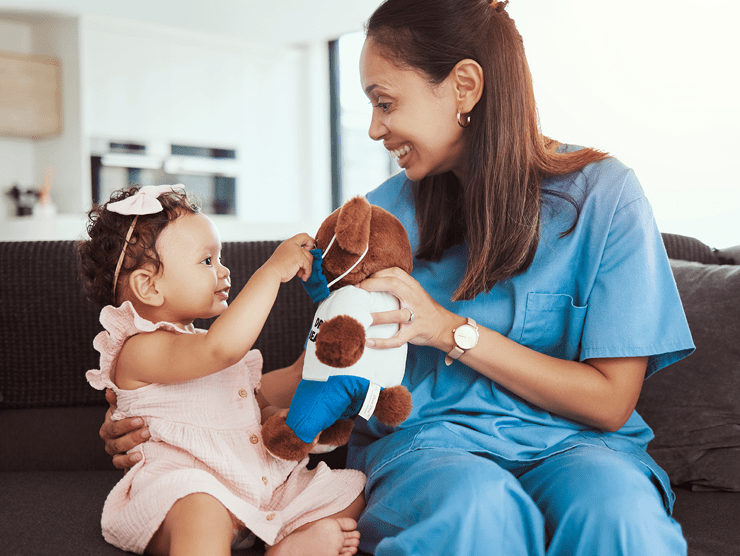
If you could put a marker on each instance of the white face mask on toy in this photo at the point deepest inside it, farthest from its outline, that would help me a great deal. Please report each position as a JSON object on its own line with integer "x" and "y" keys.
{"x": 317, "y": 285}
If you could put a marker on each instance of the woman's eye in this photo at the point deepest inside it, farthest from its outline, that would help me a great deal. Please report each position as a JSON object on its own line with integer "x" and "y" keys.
{"x": 384, "y": 105}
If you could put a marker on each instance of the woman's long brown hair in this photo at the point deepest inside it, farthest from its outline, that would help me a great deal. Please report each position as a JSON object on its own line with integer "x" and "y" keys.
{"x": 498, "y": 210}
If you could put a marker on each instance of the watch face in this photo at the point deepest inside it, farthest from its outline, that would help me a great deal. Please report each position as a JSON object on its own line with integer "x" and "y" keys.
{"x": 466, "y": 337}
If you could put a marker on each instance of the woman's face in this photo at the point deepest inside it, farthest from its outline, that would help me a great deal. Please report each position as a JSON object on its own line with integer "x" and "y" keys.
{"x": 416, "y": 121}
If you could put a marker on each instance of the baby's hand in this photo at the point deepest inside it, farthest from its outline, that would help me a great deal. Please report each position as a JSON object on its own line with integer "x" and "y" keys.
{"x": 293, "y": 258}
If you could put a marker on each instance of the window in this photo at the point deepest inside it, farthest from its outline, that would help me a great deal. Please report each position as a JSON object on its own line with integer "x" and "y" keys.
{"x": 359, "y": 164}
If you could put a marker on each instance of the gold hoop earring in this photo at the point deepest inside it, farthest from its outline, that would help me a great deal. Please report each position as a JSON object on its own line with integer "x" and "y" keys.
{"x": 459, "y": 120}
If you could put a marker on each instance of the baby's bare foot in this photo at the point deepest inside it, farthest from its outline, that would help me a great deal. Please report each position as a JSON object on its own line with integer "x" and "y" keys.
{"x": 326, "y": 537}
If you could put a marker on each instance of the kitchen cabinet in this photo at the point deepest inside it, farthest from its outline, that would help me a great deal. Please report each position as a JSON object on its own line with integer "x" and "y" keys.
{"x": 30, "y": 95}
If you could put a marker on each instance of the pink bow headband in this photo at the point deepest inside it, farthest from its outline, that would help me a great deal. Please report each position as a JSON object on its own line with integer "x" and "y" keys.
{"x": 144, "y": 201}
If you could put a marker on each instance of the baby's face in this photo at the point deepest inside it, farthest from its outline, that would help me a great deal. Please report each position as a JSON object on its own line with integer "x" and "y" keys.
{"x": 193, "y": 281}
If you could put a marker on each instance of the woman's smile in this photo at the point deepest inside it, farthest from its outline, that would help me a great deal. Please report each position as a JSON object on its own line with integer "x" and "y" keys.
{"x": 401, "y": 155}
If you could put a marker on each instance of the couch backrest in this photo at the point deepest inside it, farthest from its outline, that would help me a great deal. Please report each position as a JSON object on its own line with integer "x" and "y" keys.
{"x": 685, "y": 248}
{"x": 47, "y": 325}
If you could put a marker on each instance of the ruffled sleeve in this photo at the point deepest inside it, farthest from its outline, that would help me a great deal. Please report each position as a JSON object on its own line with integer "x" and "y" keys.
{"x": 253, "y": 361}
{"x": 100, "y": 378}
{"x": 120, "y": 324}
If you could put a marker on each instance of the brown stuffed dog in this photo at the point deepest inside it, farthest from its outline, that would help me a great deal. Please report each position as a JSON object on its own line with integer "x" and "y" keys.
{"x": 342, "y": 379}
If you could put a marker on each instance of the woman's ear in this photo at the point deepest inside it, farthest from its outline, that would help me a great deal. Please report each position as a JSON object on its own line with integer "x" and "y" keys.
{"x": 467, "y": 80}
{"x": 142, "y": 283}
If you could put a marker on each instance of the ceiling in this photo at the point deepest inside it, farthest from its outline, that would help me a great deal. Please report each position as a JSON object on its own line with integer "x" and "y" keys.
{"x": 263, "y": 21}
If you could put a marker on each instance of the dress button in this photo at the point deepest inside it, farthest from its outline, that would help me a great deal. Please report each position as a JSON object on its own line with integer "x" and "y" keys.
{"x": 264, "y": 480}
{"x": 253, "y": 439}
{"x": 270, "y": 517}
{"x": 243, "y": 393}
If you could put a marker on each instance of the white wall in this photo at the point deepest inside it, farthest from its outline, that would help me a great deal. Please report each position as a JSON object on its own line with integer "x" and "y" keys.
{"x": 64, "y": 154}
{"x": 656, "y": 84}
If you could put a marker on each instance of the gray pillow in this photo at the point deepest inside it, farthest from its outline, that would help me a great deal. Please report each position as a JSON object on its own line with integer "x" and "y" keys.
{"x": 729, "y": 255}
{"x": 693, "y": 405}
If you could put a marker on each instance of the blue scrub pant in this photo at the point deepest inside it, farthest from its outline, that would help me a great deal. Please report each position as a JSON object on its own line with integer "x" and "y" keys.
{"x": 584, "y": 501}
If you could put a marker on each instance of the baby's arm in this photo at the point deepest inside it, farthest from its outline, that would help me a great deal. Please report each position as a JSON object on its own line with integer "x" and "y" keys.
{"x": 166, "y": 357}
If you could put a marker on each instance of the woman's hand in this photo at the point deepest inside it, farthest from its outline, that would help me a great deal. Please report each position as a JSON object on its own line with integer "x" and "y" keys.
{"x": 431, "y": 322}
{"x": 121, "y": 436}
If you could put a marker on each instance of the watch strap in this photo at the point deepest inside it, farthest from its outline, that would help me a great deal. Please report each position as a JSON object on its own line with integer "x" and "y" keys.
{"x": 455, "y": 353}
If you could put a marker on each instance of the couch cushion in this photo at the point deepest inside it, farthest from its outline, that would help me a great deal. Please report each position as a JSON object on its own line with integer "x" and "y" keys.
{"x": 693, "y": 406}
{"x": 55, "y": 513}
{"x": 53, "y": 439}
{"x": 709, "y": 521}
{"x": 59, "y": 513}
{"x": 728, "y": 255}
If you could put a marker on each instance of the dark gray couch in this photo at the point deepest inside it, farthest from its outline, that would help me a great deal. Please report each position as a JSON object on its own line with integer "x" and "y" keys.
{"x": 55, "y": 475}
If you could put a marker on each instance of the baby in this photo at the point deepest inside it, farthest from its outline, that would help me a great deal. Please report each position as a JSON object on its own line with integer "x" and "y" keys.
{"x": 205, "y": 482}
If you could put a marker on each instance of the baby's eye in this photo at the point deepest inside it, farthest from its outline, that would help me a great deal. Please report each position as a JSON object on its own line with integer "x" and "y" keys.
{"x": 206, "y": 261}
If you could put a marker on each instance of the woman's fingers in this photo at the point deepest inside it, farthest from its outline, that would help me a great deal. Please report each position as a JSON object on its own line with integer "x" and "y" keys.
{"x": 419, "y": 317}
{"x": 126, "y": 461}
{"x": 118, "y": 447}
{"x": 398, "y": 316}
{"x": 386, "y": 343}
{"x": 121, "y": 436}
{"x": 110, "y": 397}
{"x": 393, "y": 280}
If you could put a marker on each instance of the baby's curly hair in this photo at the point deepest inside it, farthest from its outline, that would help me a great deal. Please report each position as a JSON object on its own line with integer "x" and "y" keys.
{"x": 99, "y": 255}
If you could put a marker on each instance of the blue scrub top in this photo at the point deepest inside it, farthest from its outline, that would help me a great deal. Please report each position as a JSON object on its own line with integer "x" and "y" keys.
{"x": 605, "y": 290}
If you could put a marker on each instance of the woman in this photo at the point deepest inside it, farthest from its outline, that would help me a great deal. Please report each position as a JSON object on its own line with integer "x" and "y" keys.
{"x": 541, "y": 298}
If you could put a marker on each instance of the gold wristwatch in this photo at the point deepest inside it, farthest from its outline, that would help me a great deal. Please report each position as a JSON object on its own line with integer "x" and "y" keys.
{"x": 466, "y": 337}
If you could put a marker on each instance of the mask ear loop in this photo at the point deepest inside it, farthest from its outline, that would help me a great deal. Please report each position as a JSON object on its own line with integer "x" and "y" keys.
{"x": 367, "y": 248}
{"x": 330, "y": 244}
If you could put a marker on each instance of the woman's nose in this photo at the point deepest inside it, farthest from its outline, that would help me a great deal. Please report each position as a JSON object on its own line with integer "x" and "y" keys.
{"x": 377, "y": 129}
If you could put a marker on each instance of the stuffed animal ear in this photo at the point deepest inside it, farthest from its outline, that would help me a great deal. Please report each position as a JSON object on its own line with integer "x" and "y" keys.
{"x": 353, "y": 225}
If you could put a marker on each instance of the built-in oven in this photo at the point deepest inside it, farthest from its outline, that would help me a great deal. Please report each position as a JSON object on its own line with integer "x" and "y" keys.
{"x": 209, "y": 173}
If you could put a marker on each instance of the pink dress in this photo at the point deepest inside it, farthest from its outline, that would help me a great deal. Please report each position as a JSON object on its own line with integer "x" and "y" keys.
{"x": 205, "y": 437}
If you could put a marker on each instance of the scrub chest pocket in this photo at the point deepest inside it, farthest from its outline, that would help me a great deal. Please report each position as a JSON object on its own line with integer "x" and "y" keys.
{"x": 553, "y": 325}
